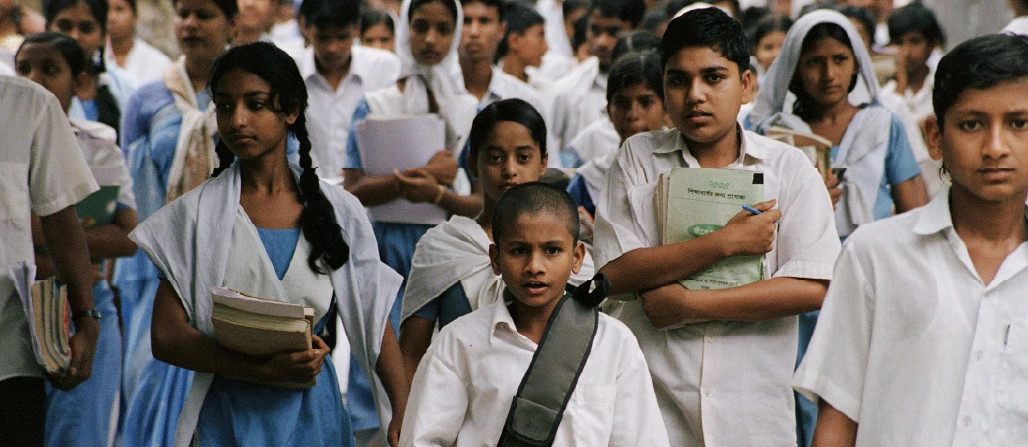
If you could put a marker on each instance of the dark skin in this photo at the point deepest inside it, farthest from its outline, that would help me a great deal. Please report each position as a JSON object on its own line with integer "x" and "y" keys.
{"x": 62, "y": 234}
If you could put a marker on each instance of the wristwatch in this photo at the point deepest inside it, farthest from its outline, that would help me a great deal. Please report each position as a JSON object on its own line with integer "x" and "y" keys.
{"x": 91, "y": 313}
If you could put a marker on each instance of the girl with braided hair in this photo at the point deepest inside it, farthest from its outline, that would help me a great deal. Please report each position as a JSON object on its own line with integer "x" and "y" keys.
{"x": 266, "y": 226}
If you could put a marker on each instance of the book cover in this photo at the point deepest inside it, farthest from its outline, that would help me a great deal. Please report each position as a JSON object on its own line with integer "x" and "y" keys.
{"x": 98, "y": 208}
{"x": 694, "y": 202}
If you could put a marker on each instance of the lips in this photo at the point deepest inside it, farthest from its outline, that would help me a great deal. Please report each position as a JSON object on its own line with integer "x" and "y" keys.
{"x": 534, "y": 287}
{"x": 996, "y": 174}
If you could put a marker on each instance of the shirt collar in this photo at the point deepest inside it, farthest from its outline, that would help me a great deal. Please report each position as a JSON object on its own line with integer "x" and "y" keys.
{"x": 747, "y": 147}
{"x": 935, "y": 216}
{"x": 361, "y": 71}
{"x": 502, "y": 321}
{"x": 497, "y": 86}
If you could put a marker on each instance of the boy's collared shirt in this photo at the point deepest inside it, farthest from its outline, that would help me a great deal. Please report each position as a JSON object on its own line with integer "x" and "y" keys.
{"x": 330, "y": 110}
{"x": 912, "y": 344}
{"x": 721, "y": 383}
{"x": 578, "y": 99}
{"x": 468, "y": 378}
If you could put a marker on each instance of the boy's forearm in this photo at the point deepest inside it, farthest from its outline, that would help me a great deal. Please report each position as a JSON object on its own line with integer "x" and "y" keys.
{"x": 70, "y": 255}
{"x": 834, "y": 429}
{"x": 762, "y": 300}
{"x": 652, "y": 267}
{"x": 391, "y": 371}
{"x": 415, "y": 337}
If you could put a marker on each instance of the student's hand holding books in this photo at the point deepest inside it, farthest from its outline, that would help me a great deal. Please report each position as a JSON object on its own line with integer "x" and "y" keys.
{"x": 834, "y": 191}
{"x": 419, "y": 185}
{"x": 443, "y": 166}
{"x": 83, "y": 347}
{"x": 750, "y": 234}
{"x": 297, "y": 366}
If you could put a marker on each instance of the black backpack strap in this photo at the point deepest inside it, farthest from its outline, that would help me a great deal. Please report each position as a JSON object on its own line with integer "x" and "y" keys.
{"x": 546, "y": 387}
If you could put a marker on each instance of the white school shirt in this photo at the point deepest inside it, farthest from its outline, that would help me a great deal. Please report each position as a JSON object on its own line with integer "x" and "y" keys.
{"x": 579, "y": 99}
{"x": 1017, "y": 26}
{"x": 329, "y": 111}
{"x": 466, "y": 382}
{"x": 913, "y": 346}
{"x": 143, "y": 62}
{"x": 41, "y": 170}
{"x": 721, "y": 383}
{"x": 99, "y": 145}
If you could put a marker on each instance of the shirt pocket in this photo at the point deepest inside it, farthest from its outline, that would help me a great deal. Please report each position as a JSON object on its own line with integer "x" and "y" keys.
{"x": 1012, "y": 385}
{"x": 592, "y": 413}
{"x": 14, "y": 186}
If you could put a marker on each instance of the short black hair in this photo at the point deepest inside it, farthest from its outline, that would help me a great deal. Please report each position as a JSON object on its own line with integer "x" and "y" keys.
{"x": 862, "y": 15}
{"x": 497, "y": 4}
{"x": 631, "y": 11}
{"x": 533, "y": 198}
{"x": 917, "y": 18}
{"x": 654, "y": 19}
{"x": 372, "y": 17}
{"x": 635, "y": 42}
{"x": 228, "y": 7}
{"x": 519, "y": 19}
{"x": 97, "y": 9}
{"x": 979, "y": 63}
{"x": 634, "y": 69}
{"x": 330, "y": 13}
{"x": 570, "y": 6}
{"x": 767, "y": 25}
{"x": 706, "y": 27}
{"x": 579, "y": 37}
{"x": 514, "y": 110}
{"x": 69, "y": 49}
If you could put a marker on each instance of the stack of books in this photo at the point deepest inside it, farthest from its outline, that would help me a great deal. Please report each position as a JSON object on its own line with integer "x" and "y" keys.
{"x": 261, "y": 327}
{"x": 694, "y": 202}
{"x": 50, "y": 325}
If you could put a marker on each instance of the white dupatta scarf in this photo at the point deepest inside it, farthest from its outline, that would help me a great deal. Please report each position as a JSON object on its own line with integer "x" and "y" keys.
{"x": 195, "y": 157}
{"x": 863, "y": 147}
{"x": 458, "y": 251}
{"x": 189, "y": 241}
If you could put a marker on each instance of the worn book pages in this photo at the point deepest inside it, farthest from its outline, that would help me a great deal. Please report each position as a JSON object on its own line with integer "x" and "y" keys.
{"x": 388, "y": 143}
{"x": 817, "y": 148}
{"x": 45, "y": 304}
{"x": 693, "y": 202}
{"x": 260, "y": 327}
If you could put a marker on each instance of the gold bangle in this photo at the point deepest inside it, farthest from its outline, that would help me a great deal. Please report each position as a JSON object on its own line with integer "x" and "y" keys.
{"x": 438, "y": 198}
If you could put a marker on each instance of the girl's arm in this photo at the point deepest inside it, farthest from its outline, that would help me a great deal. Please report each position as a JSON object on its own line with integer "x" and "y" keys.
{"x": 909, "y": 194}
{"x": 111, "y": 240}
{"x": 394, "y": 378}
{"x": 420, "y": 186}
{"x": 174, "y": 341}
{"x": 415, "y": 337}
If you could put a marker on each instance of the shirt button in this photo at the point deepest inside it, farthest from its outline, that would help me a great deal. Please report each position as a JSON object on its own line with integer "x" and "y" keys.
{"x": 710, "y": 339}
{"x": 978, "y": 355}
{"x": 967, "y": 421}
{"x": 706, "y": 393}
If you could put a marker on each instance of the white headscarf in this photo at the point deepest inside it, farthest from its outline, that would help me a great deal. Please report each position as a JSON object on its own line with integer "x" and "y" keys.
{"x": 445, "y": 85}
{"x": 771, "y": 98}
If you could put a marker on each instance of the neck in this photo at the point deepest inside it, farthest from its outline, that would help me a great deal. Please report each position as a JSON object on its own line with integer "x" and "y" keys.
{"x": 244, "y": 37}
{"x": 121, "y": 46}
{"x": 267, "y": 174}
{"x": 718, "y": 154}
{"x": 334, "y": 75}
{"x": 916, "y": 78}
{"x": 477, "y": 74}
{"x": 514, "y": 66}
{"x": 974, "y": 218}
{"x": 531, "y": 321}
{"x": 485, "y": 218}
{"x": 833, "y": 112}
{"x": 197, "y": 70}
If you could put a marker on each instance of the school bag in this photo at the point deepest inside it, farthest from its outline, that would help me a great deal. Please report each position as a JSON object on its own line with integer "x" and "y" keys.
{"x": 546, "y": 388}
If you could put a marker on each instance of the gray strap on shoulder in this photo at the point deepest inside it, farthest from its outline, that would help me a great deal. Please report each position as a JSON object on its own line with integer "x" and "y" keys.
{"x": 556, "y": 365}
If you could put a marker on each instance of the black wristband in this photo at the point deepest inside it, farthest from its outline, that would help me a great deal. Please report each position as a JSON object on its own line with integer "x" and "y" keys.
{"x": 91, "y": 313}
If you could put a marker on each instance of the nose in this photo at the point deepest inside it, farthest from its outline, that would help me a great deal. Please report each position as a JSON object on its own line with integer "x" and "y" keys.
{"x": 510, "y": 167}
{"x": 697, "y": 92}
{"x": 996, "y": 147}
{"x": 240, "y": 116}
{"x": 534, "y": 266}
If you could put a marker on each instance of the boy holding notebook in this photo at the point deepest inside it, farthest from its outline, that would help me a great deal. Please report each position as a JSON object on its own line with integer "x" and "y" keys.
{"x": 726, "y": 381}
{"x": 511, "y": 351}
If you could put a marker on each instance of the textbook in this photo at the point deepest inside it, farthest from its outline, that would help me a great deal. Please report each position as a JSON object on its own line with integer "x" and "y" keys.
{"x": 693, "y": 202}
{"x": 388, "y": 143}
{"x": 98, "y": 208}
{"x": 45, "y": 303}
{"x": 261, "y": 327}
{"x": 817, "y": 148}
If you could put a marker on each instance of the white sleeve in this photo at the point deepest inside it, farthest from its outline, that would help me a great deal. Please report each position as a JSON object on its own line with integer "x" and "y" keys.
{"x": 438, "y": 401}
{"x": 835, "y": 365}
{"x": 622, "y": 219}
{"x": 637, "y": 418}
{"x": 807, "y": 241}
{"x": 58, "y": 174}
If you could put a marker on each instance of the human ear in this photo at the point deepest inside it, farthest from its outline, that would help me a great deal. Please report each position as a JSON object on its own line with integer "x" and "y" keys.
{"x": 747, "y": 86}
{"x": 932, "y": 137}
{"x": 579, "y": 257}
{"x": 494, "y": 259}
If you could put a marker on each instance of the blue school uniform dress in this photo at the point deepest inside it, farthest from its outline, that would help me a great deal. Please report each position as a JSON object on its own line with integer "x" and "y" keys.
{"x": 243, "y": 413}
{"x": 153, "y": 392}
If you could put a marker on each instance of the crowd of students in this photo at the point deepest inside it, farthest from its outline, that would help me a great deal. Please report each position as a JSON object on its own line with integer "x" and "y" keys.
{"x": 546, "y": 309}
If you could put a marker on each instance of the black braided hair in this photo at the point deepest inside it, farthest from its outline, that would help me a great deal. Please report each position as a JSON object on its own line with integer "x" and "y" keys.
{"x": 328, "y": 249}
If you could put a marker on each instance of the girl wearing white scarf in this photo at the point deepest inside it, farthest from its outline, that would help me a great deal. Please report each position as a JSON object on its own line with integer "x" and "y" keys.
{"x": 427, "y": 36}
{"x": 877, "y": 171}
